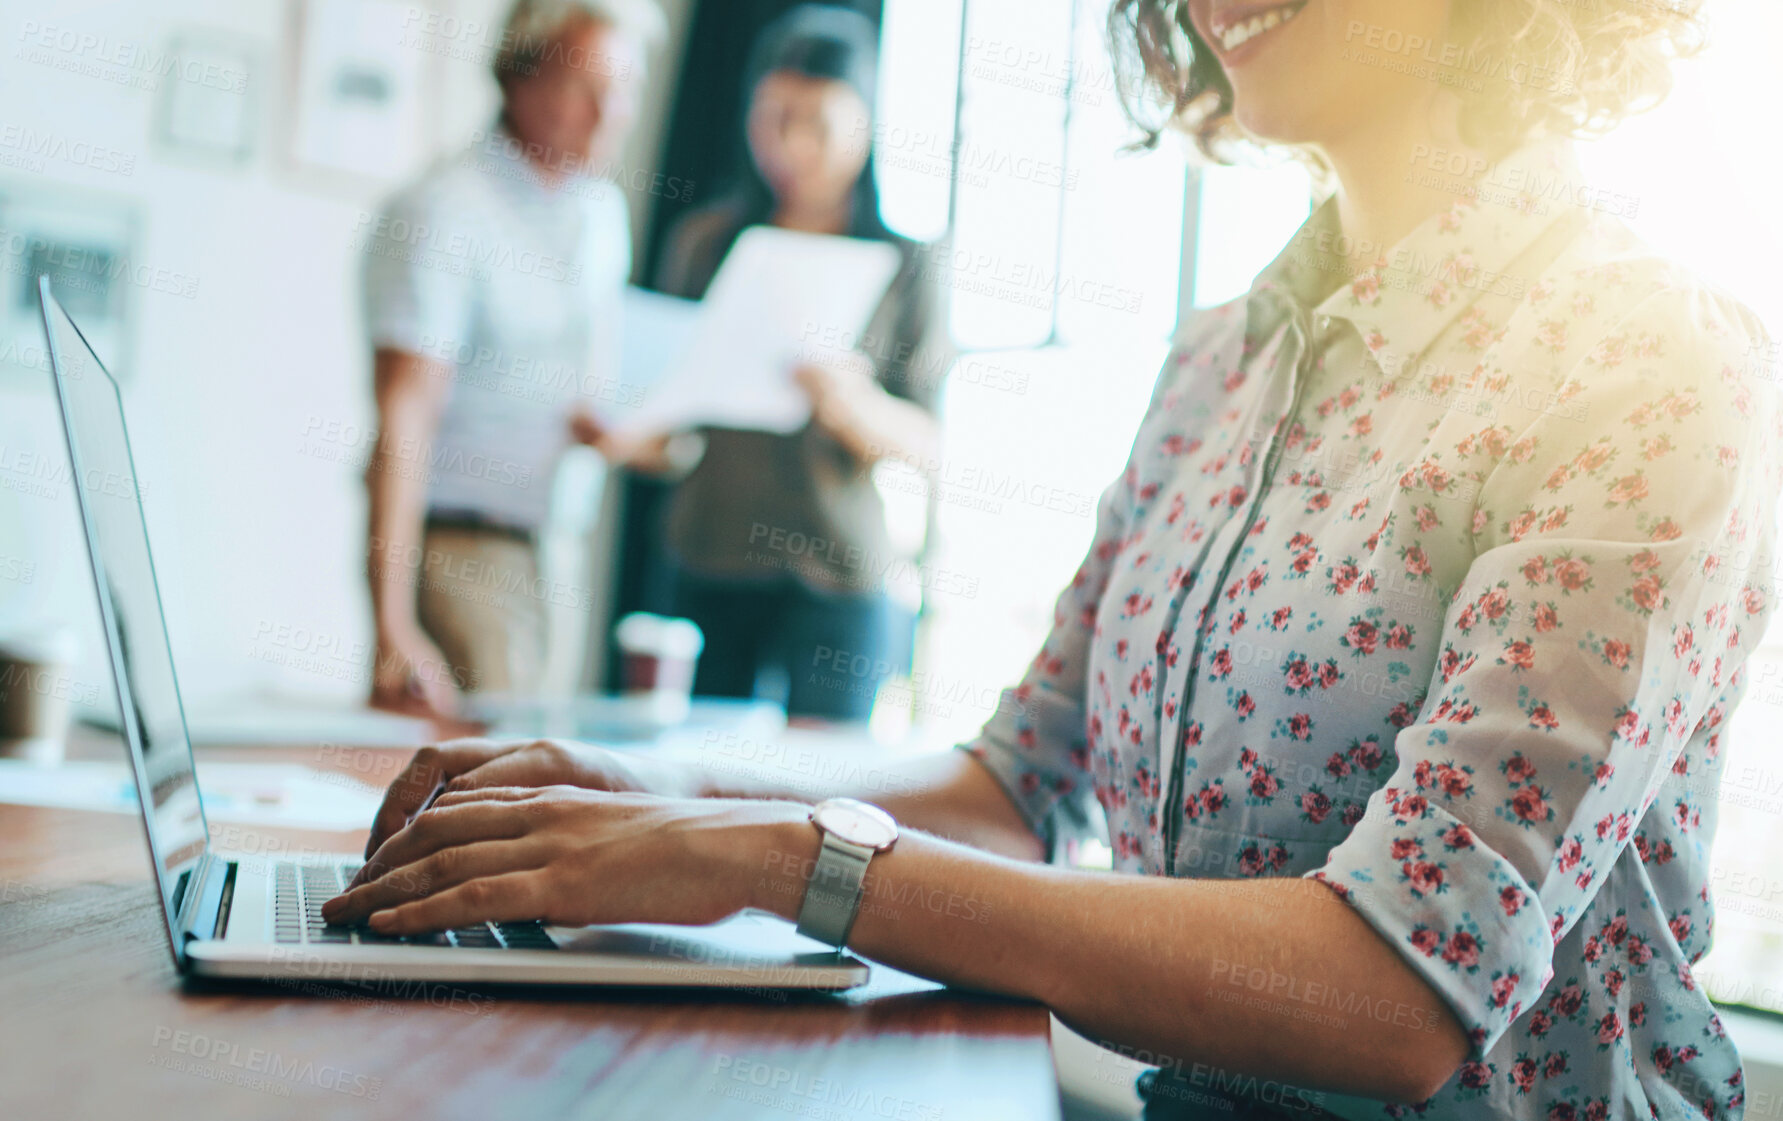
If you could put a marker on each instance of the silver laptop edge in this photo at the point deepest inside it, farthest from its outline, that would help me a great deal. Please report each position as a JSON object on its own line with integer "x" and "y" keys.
{"x": 218, "y": 907}
{"x": 74, "y": 373}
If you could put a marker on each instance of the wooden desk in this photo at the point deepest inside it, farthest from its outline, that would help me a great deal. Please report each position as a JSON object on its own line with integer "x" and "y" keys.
{"x": 95, "y": 1023}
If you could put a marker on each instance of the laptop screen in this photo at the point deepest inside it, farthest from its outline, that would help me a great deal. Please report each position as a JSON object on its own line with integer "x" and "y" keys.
{"x": 129, "y": 604}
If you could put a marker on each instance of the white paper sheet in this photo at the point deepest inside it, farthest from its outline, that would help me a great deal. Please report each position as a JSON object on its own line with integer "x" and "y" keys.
{"x": 280, "y": 721}
{"x": 654, "y": 340}
{"x": 780, "y": 298}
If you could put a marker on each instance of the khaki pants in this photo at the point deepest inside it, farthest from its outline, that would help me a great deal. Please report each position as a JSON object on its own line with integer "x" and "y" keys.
{"x": 476, "y": 601}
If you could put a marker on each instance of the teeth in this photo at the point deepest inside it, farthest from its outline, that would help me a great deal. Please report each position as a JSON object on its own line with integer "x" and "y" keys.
{"x": 1242, "y": 33}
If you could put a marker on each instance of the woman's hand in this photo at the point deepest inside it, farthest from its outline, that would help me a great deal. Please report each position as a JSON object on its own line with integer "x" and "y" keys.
{"x": 572, "y": 856}
{"x": 474, "y": 764}
{"x": 648, "y": 451}
{"x": 849, "y": 404}
{"x": 842, "y": 392}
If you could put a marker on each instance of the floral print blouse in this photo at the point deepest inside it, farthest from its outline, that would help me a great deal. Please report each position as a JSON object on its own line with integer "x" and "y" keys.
{"x": 1437, "y": 584}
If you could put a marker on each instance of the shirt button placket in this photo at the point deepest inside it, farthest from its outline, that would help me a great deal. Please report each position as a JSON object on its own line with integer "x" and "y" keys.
{"x": 1170, "y": 743}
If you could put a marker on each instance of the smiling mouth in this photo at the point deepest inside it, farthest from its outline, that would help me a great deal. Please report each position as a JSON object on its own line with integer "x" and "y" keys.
{"x": 1239, "y": 25}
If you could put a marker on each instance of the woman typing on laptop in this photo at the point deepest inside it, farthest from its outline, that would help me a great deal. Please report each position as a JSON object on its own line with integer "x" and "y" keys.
{"x": 1398, "y": 664}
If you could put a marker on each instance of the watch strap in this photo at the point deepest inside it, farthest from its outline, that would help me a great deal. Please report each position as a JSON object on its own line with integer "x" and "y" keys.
{"x": 833, "y": 893}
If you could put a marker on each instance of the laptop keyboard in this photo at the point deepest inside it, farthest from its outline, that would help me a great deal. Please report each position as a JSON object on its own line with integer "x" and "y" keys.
{"x": 299, "y": 890}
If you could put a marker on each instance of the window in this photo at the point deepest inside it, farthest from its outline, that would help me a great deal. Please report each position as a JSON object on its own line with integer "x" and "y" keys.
{"x": 1063, "y": 269}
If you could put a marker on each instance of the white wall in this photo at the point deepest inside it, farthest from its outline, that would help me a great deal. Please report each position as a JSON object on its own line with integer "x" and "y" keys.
{"x": 249, "y": 532}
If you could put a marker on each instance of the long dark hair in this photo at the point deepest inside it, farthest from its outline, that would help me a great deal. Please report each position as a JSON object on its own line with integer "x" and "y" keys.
{"x": 815, "y": 41}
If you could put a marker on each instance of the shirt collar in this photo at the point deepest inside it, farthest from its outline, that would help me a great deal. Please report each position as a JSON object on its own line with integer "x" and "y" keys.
{"x": 1401, "y": 303}
{"x": 518, "y": 174}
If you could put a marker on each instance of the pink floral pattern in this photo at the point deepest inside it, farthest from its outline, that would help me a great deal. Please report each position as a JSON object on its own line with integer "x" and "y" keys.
{"x": 1442, "y": 598}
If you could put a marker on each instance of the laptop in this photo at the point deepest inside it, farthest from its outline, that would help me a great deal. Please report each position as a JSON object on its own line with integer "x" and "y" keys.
{"x": 250, "y": 916}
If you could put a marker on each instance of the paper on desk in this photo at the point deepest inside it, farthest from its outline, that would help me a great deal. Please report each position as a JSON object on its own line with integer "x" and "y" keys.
{"x": 280, "y": 721}
{"x": 779, "y": 297}
{"x": 272, "y": 794}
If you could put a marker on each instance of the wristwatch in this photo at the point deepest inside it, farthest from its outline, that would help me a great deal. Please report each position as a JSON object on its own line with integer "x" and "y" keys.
{"x": 853, "y": 833}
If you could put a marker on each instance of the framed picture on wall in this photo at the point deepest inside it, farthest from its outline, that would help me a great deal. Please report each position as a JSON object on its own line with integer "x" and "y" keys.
{"x": 361, "y": 95}
{"x": 87, "y": 246}
{"x": 213, "y": 116}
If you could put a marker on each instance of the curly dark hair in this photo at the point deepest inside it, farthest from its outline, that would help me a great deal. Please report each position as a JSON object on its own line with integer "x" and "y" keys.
{"x": 1580, "y": 67}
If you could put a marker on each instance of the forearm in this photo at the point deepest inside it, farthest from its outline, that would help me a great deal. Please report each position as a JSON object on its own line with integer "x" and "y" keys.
{"x": 410, "y": 397}
{"x": 949, "y": 794}
{"x": 1273, "y": 979}
{"x": 884, "y": 426}
{"x": 397, "y": 512}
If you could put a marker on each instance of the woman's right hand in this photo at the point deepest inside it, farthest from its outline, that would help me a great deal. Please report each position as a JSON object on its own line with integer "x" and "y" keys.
{"x": 647, "y": 452}
{"x": 472, "y": 764}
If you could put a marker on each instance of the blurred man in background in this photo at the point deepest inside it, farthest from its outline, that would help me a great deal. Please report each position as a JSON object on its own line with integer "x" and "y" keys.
{"x": 493, "y": 289}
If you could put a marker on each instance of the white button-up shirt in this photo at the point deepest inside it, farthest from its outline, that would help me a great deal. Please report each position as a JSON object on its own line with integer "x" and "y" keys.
{"x": 517, "y": 288}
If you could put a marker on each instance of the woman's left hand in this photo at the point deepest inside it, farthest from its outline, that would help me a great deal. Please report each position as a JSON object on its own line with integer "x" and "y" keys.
{"x": 571, "y": 856}
{"x": 848, "y": 402}
{"x": 842, "y": 390}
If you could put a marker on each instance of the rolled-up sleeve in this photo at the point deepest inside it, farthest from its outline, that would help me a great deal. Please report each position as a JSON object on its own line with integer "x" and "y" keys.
{"x": 418, "y": 292}
{"x": 1619, "y": 584}
{"x": 917, "y": 349}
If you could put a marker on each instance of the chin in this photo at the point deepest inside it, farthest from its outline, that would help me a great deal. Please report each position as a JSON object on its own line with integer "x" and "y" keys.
{"x": 601, "y": 150}
{"x": 1278, "y": 123}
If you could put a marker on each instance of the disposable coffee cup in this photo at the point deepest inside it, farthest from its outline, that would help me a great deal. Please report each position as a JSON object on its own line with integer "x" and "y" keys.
{"x": 36, "y": 687}
{"x": 658, "y": 655}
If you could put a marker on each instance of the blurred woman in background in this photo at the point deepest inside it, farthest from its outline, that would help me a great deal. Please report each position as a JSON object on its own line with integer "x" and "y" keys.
{"x": 771, "y": 616}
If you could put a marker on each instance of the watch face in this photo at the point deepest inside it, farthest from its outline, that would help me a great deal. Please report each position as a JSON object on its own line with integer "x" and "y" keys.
{"x": 858, "y": 823}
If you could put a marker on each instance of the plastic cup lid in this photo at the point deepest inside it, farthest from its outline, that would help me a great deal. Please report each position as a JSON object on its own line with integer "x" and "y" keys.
{"x": 53, "y": 647}
{"x": 660, "y": 635}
